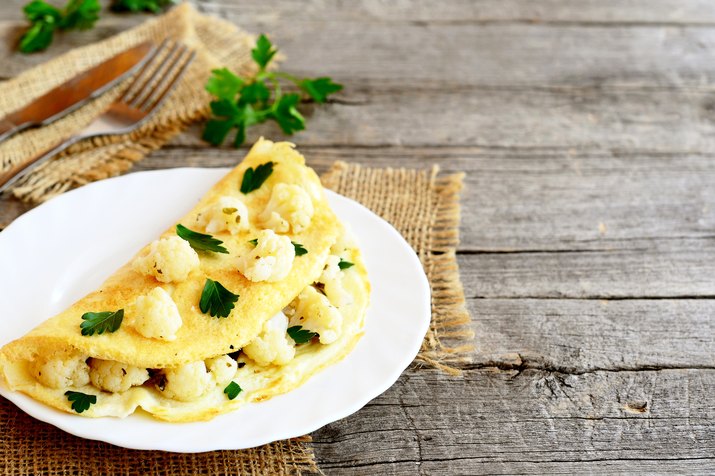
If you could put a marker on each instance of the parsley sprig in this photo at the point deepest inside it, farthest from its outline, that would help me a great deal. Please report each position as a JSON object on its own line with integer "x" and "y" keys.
{"x": 80, "y": 401}
{"x": 216, "y": 300}
{"x": 253, "y": 179}
{"x": 243, "y": 102}
{"x": 100, "y": 322}
{"x": 200, "y": 241}
{"x": 153, "y": 6}
{"x": 45, "y": 19}
{"x": 300, "y": 335}
{"x": 232, "y": 390}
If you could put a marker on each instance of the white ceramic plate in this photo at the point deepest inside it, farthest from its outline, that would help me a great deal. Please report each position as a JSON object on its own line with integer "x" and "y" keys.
{"x": 65, "y": 248}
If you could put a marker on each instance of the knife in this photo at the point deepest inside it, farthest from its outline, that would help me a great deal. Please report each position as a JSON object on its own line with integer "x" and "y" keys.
{"x": 72, "y": 94}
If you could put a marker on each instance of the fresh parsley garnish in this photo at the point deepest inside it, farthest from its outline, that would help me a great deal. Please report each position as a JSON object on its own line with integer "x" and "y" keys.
{"x": 232, "y": 390}
{"x": 153, "y": 6}
{"x": 299, "y": 249}
{"x": 200, "y": 241}
{"x": 300, "y": 335}
{"x": 45, "y": 19}
{"x": 216, "y": 300}
{"x": 345, "y": 264}
{"x": 243, "y": 102}
{"x": 80, "y": 401}
{"x": 253, "y": 179}
{"x": 100, "y": 322}
{"x": 254, "y": 241}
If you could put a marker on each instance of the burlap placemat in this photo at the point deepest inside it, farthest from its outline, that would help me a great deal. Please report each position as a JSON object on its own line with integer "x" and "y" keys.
{"x": 217, "y": 43}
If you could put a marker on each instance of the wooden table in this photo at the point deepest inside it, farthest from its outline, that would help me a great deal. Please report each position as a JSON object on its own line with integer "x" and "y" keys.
{"x": 587, "y": 132}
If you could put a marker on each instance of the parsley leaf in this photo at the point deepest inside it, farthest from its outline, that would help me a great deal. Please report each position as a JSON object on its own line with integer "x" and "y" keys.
{"x": 253, "y": 179}
{"x": 299, "y": 249}
{"x": 80, "y": 401}
{"x": 224, "y": 84}
{"x": 101, "y": 321}
{"x": 45, "y": 19}
{"x": 345, "y": 264}
{"x": 264, "y": 51}
{"x": 300, "y": 335}
{"x": 319, "y": 88}
{"x": 200, "y": 241}
{"x": 232, "y": 390}
{"x": 217, "y": 300}
{"x": 254, "y": 241}
{"x": 80, "y": 14}
{"x": 286, "y": 114}
{"x": 153, "y": 6}
{"x": 243, "y": 102}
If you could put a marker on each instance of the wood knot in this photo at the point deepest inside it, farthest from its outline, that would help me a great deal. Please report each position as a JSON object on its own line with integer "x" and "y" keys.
{"x": 637, "y": 407}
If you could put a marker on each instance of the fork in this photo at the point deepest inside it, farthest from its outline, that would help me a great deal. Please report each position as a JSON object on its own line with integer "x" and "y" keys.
{"x": 142, "y": 97}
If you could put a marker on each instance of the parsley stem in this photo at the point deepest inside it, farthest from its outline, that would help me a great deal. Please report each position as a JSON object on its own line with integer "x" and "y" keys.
{"x": 288, "y": 76}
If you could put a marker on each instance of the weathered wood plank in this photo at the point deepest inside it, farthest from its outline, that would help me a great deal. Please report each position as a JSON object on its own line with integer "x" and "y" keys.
{"x": 443, "y": 53}
{"x": 581, "y": 336}
{"x": 505, "y": 422}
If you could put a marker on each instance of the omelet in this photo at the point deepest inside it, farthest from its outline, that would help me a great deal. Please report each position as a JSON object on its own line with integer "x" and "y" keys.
{"x": 253, "y": 291}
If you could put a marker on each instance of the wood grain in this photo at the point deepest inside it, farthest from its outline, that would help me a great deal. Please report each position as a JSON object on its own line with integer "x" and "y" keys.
{"x": 587, "y": 133}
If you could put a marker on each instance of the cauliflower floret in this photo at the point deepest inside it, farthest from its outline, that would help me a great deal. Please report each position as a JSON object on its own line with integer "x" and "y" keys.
{"x": 62, "y": 372}
{"x": 114, "y": 376}
{"x": 169, "y": 260}
{"x": 187, "y": 383}
{"x": 222, "y": 368}
{"x": 272, "y": 346}
{"x": 290, "y": 206}
{"x": 270, "y": 260}
{"x": 229, "y": 213}
{"x": 332, "y": 281}
{"x": 156, "y": 316}
{"x": 313, "y": 311}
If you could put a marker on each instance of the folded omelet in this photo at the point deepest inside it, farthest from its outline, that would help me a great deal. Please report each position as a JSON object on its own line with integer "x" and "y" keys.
{"x": 254, "y": 290}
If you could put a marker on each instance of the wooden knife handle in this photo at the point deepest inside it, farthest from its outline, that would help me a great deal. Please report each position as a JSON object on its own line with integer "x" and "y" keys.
{"x": 6, "y": 128}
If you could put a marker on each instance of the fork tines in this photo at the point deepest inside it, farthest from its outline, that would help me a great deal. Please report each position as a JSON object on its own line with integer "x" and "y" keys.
{"x": 157, "y": 76}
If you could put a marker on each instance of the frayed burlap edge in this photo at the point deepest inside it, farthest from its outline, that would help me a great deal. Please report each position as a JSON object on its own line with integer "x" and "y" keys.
{"x": 424, "y": 208}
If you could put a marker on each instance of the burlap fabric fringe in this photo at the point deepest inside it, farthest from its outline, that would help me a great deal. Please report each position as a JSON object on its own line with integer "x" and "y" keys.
{"x": 424, "y": 208}
{"x": 216, "y": 42}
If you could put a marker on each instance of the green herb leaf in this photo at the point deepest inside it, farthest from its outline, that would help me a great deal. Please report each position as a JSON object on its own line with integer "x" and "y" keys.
{"x": 285, "y": 113}
{"x": 200, "y": 241}
{"x": 300, "y": 335}
{"x": 320, "y": 88}
{"x": 80, "y": 14}
{"x": 254, "y": 241}
{"x": 45, "y": 19}
{"x": 299, "y": 249}
{"x": 264, "y": 51}
{"x": 345, "y": 264}
{"x": 100, "y": 322}
{"x": 217, "y": 300}
{"x": 232, "y": 390}
{"x": 224, "y": 84}
{"x": 153, "y": 6}
{"x": 254, "y": 93}
{"x": 80, "y": 401}
{"x": 253, "y": 179}
{"x": 38, "y": 37}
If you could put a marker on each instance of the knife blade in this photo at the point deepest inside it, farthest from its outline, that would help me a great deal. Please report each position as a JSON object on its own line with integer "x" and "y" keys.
{"x": 72, "y": 94}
